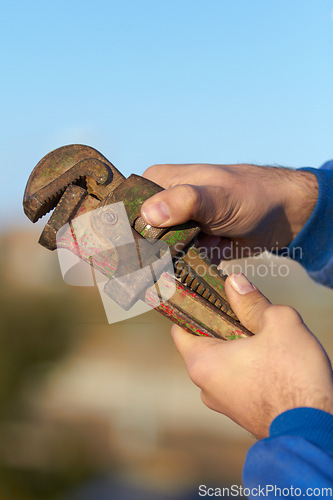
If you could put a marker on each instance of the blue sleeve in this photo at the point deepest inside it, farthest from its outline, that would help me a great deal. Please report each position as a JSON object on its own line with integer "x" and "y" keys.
{"x": 295, "y": 460}
{"x": 313, "y": 246}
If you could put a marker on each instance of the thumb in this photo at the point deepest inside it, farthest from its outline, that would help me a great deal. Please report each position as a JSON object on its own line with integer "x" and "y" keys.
{"x": 247, "y": 302}
{"x": 177, "y": 205}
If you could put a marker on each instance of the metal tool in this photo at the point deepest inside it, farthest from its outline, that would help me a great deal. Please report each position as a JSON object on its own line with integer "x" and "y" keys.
{"x": 77, "y": 180}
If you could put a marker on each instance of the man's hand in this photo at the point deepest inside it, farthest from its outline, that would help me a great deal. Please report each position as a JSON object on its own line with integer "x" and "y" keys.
{"x": 283, "y": 366}
{"x": 257, "y": 207}
{"x": 255, "y": 379}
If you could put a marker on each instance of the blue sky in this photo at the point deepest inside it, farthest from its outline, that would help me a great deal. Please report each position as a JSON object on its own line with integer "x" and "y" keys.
{"x": 152, "y": 81}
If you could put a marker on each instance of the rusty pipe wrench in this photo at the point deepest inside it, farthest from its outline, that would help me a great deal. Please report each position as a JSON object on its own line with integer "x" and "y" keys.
{"x": 79, "y": 183}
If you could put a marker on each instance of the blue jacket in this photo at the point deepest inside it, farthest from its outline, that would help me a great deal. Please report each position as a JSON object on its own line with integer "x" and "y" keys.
{"x": 297, "y": 457}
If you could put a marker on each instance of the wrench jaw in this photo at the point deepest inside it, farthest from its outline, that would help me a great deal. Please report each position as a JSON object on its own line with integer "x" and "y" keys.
{"x": 38, "y": 203}
{"x": 68, "y": 179}
{"x": 59, "y": 162}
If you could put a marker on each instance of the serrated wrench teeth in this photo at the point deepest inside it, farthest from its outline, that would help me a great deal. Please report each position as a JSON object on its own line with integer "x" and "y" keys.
{"x": 39, "y": 203}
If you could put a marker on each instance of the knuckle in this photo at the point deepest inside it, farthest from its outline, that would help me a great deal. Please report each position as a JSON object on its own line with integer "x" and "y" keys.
{"x": 280, "y": 314}
{"x": 195, "y": 372}
{"x": 151, "y": 172}
{"x": 206, "y": 400}
{"x": 190, "y": 197}
{"x": 200, "y": 371}
{"x": 253, "y": 308}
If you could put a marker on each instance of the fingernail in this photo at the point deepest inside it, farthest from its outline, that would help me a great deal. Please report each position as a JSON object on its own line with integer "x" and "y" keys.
{"x": 241, "y": 284}
{"x": 156, "y": 213}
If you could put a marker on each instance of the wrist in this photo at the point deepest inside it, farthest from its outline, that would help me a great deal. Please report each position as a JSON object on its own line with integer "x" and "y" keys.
{"x": 299, "y": 199}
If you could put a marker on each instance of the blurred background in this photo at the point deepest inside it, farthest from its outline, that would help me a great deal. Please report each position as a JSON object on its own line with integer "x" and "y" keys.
{"x": 96, "y": 411}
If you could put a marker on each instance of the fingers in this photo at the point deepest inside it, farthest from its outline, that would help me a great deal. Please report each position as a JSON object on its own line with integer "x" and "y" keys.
{"x": 177, "y": 205}
{"x": 247, "y": 302}
{"x": 188, "y": 345}
{"x": 163, "y": 174}
{"x": 196, "y": 352}
{"x": 174, "y": 174}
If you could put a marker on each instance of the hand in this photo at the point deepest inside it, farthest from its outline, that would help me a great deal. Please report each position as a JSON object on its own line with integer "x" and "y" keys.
{"x": 255, "y": 379}
{"x": 256, "y": 208}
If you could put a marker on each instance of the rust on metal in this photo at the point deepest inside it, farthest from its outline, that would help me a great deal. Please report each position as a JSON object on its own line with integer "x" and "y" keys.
{"x": 77, "y": 180}
{"x": 60, "y": 168}
{"x": 63, "y": 213}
